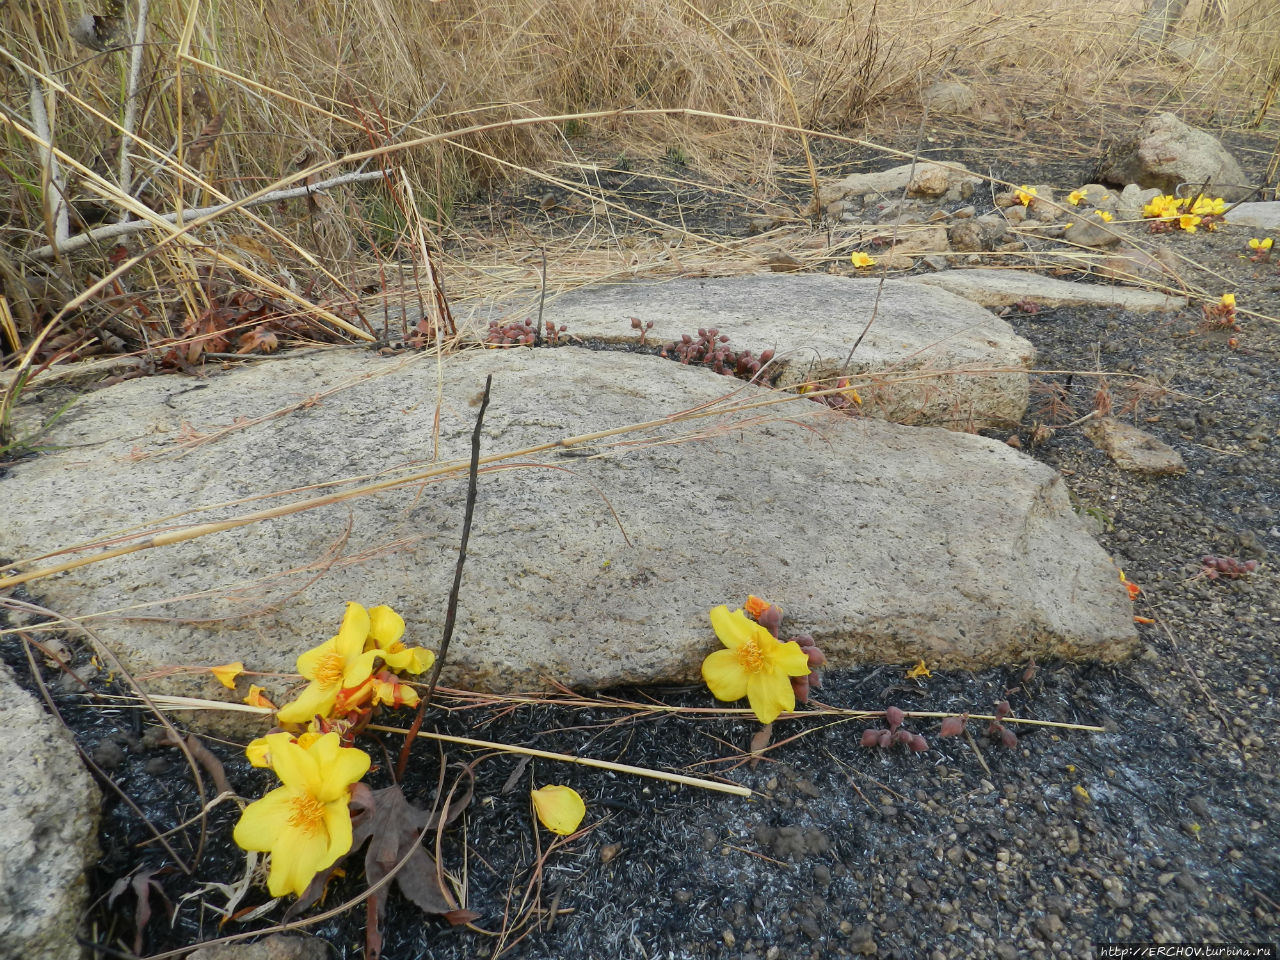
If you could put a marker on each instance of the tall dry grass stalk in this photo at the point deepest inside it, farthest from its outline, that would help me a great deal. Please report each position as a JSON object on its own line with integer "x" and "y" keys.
{"x": 224, "y": 98}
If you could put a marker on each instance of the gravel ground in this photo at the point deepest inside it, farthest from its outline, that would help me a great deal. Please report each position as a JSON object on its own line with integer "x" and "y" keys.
{"x": 1161, "y": 828}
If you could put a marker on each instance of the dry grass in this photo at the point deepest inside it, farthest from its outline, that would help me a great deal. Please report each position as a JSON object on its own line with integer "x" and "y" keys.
{"x": 236, "y": 97}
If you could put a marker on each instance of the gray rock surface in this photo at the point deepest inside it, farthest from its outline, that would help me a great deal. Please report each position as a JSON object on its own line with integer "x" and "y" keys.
{"x": 1091, "y": 230}
{"x": 1132, "y": 200}
{"x": 887, "y": 543}
{"x": 1167, "y": 152}
{"x": 48, "y": 830}
{"x": 1003, "y": 288}
{"x": 1260, "y": 216}
{"x": 812, "y": 321}
{"x": 278, "y": 946}
{"x": 948, "y": 97}
{"x": 925, "y": 178}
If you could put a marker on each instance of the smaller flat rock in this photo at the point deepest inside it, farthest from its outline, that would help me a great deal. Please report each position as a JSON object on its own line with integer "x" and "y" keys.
{"x": 1259, "y": 216}
{"x": 813, "y": 321}
{"x": 1004, "y": 288}
{"x": 1134, "y": 449}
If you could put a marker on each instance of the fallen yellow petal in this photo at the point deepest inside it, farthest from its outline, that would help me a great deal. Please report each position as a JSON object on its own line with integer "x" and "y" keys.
{"x": 227, "y": 673}
{"x": 559, "y": 808}
{"x": 257, "y": 698}
{"x": 918, "y": 671}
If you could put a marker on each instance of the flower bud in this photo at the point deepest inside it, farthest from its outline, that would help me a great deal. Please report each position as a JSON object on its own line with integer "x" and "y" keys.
{"x": 800, "y": 686}
{"x": 952, "y": 727}
{"x": 871, "y": 738}
{"x": 918, "y": 743}
{"x": 893, "y": 717}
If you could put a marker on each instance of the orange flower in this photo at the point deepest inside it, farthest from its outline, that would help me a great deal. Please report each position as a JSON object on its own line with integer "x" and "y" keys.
{"x": 755, "y": 606}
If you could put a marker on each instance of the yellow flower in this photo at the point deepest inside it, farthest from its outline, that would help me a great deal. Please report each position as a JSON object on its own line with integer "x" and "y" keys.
{"x": 1024, "y": 194}
{"x": 1106, "y": 217}
{"x": 1075, "y": 196}
{"x": 559, "y": 808}
{"x": 304, "y": 824}
{"x": 1262, "y": 246}
{"x": 1209, "y": 205}
{"x": 259, "y": 751}
{"x": 388, "y": 690}
{"x": 337, "y": 664}
{"x": 1188, "y": 222}
{"x": 755, "y": 665}
{"x": 1163, "y": 206}
{"x": 1229, "y": 301}
{"x": 386, "y": 627}
{"x": 861, "y": 260}
{"x": 226, "y": 674}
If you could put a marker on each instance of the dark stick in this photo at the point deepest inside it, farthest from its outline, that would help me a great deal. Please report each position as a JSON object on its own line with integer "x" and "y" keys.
{"x": 451, "y": 614}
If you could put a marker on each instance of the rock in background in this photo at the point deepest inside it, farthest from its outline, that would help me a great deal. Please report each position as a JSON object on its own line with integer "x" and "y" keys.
{"x": 1168, "y": 152}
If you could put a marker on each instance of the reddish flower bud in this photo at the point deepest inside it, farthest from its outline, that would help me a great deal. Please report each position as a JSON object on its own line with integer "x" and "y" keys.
{"x": 800, "y": 686}
{"x": 952, "y": 727}
{"x": 816, "y": 657}
{"x": 893, "y": 717}
{"x": 1003, "y": 709}
{"x": 771, "y": 619}
{"x": 871, "y": 738}
{"x": 918, "y": 743}
{"x": 1008, "y": 737}
{"x": 886, "y": 739}
{"x": 902, "y": 737}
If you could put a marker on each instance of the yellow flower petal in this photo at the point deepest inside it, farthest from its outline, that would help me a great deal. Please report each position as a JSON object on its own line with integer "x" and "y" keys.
{"x": 770, "y": 694}
{"x": 227, "y": 673}
{"x": 354, "y": 631}
{"x": 559, "y": 808}
{"x": 733, "y": 629}
{"x": 724, "y": 675}
{"x": 317, "y": 698}
{"x": 918, "y": 671}
{"x": 385, "y": 626}
{"x": 258, "y": 752}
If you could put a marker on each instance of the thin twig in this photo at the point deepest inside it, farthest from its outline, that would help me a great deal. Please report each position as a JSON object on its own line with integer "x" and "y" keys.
{"x": 451, "y": 614}
{"x": 123, "y": 229}
{"x": 56, "y": 214}
{"x": 573, "y": 758}
{"x": 131, "y": 102}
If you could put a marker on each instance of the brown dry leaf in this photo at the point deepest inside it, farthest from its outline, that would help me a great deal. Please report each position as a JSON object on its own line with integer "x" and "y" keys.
{"x": 252, "y": 246}
{"x": 143, "y": 884}
{"x": 759, "y": 741}
{"x": 259, "y": 338}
